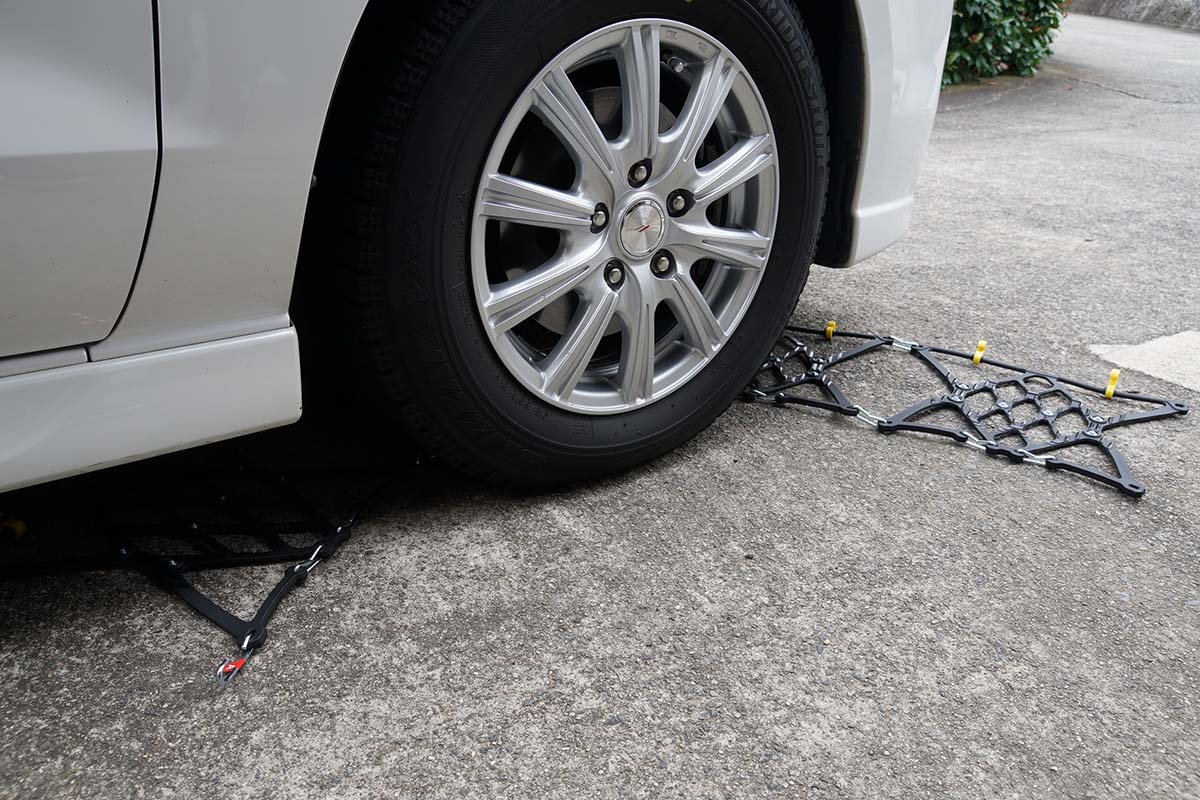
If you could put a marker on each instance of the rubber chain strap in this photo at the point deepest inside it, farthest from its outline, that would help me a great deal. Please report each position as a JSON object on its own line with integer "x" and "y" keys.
{"x": 989, "y": 421}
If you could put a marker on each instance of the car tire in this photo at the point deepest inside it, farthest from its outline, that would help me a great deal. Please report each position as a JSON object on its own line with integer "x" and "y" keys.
{"x": 419, "y": 347}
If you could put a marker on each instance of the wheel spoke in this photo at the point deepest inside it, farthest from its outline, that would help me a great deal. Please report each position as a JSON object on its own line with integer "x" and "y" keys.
{"x": 700, "y": 111}
{"x": 701, "y": 328}
{"x": 567, "y": 361}
{"x": 516, "y": 200}
{"x": 517, "y": 300}
{"x": 558, "y": 104}
{"x": 636, "y": 373}
{"x": 739, "y": 164}
{"x": 640, "y": 90}
{"x": 738, "y": 248}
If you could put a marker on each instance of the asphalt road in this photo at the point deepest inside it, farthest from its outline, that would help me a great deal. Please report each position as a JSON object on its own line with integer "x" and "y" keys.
{"x": 790, "y": 605}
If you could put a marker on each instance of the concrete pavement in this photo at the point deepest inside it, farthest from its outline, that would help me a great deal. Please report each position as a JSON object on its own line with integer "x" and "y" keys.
{"x": 791, "y": 605}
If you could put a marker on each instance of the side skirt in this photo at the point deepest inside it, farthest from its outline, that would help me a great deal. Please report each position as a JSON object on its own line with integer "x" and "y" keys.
{"x": 60, "y": 422}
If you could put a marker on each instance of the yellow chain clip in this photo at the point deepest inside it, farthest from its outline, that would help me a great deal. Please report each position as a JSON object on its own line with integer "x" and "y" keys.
{"x": 979, "y": 350}
{"x": 1112, "y": 383}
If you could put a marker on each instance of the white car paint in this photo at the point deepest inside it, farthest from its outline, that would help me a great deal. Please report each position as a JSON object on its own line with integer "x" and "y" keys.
{"x": 905, "y": 49}
{"x": 243, "y": 107}
{"x": 203, "y": 349}
{"x": 78, "y": 145}
{"x": 58, "y": 422}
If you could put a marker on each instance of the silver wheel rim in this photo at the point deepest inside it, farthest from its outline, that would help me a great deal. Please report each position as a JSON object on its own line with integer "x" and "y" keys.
{"x": 624, "y": 289}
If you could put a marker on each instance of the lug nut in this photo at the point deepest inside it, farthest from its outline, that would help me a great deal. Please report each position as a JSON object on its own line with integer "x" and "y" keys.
{"x": 599, "y": 217}
{"x": 639, "y": 173}
{"x": 679, "y": 202}
{"x": 662, "y": 263}
{"x": 614, "y": 273}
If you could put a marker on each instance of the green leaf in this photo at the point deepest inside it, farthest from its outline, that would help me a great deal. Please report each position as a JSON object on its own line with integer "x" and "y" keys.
{"x": 988, "y": 37}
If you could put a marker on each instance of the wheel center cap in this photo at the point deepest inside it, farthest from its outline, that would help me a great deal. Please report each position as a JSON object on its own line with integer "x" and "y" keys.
{"x": 642, "y": 228}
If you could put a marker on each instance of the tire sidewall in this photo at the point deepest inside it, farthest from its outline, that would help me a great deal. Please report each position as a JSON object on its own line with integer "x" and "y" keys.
{"x": 486, "y": 66}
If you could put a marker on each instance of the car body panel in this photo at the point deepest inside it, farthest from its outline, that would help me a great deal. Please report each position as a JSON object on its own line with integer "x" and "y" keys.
{"x": 45, "y": 359}
{"x": 78, "y": 151}
{"x": 59, "y": 422}
{"x": 245, "y": 90}
{"x": 905, "y": 48}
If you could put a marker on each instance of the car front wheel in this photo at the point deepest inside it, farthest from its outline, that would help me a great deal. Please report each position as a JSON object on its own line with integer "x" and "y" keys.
{"x": 578, "y": 227}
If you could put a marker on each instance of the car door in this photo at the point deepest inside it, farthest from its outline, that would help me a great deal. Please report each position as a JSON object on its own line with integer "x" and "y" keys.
{"x": 78, "y": 156}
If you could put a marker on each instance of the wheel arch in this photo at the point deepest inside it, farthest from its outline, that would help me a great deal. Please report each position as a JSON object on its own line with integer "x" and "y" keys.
{"x": 387, "y": 28}
{"x": 836, "y": 32}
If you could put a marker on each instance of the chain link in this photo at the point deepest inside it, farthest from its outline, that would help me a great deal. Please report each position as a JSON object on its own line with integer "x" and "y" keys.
{"x": 975, "y": 442}
{"x": 1030, "y": 458}
{"x": 983, "y": 445}
{"x": 874, "y": 420}
{"x": 310, "y": 562}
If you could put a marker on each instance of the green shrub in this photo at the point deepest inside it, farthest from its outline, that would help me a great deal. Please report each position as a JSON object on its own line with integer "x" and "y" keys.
{"x": 988, "y": 37}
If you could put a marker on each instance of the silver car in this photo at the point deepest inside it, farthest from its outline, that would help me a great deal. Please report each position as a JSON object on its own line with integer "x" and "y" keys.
{"x": 547, "y": 240}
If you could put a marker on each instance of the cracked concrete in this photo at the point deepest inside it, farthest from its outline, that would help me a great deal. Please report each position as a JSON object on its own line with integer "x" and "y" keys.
{"x": 791, "y": 605}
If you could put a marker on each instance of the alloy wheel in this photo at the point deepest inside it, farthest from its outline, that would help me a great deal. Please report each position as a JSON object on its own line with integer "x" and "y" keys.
{"x": 624, "y": 216}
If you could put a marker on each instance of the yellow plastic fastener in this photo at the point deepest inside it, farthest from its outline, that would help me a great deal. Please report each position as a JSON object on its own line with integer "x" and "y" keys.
{"x": 830, "y": 327}
{"x": 1112, "y": 383}
{"x": 14, "y": 525}
{"x": 979, "y": 350}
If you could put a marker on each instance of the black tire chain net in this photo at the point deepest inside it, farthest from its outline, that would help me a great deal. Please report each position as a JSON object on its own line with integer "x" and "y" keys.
{"x": 988, "y": 422}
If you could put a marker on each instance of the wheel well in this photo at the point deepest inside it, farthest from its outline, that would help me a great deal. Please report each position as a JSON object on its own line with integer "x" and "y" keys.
{"x": 388, "y": 29}
{"x": 837, "y": 36}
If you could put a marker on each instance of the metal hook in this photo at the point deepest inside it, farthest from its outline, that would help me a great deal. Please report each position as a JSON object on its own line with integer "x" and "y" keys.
{"x": 230, "y": 668}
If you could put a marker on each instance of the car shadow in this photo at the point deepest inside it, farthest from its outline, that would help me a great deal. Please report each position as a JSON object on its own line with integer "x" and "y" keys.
{"x": 293, "y": 482}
